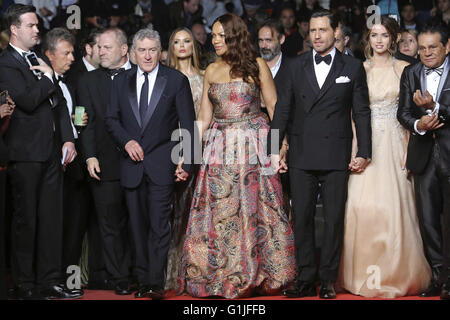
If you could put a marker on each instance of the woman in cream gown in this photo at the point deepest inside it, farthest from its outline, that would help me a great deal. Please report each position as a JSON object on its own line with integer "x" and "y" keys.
{"x": 383, "y": 252}
{"x": 183, "y": 56}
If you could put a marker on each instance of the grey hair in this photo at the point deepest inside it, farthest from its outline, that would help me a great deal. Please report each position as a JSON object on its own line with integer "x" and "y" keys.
{"x": 121, "y": 36}
{"x": 147, "y": 33}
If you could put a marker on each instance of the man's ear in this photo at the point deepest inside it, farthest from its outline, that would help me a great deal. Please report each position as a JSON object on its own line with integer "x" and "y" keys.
{"x": 49, "y": 55}
{"x": 88, "y": 49}
{"x": 124, "y": 49}
{"x": 346, "y": 40}
{"x": 282, "y": 39}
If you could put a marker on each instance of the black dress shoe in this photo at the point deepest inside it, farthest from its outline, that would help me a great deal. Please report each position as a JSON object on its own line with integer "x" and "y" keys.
{"x": 327, "y": 290}
{"x": 156, "y": 293}
{"x": 27, "y": 294}
{"x": 122, "y": 288}
{"x": 59, "y": 291}
{"x": 141, "y": 292}
{"x": 445, "y": 292}
{"x": 302, "y": 289}
{"x": 433, "y": 290}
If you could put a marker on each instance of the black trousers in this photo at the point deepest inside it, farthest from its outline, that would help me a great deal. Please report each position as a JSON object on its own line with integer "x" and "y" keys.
{"x": 304, "y": 191}
{"x": 37, "y": 221}
{"x": 78, "y": 207}
{"x": 432, "y": 189}
{"x": 112, "y": 220}
{"x": 150, "y": 207}
{"x": 3, "y": 275}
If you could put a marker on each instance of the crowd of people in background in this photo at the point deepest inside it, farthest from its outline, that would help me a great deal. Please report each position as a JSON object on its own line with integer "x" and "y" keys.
{"x": 87, "y": 215}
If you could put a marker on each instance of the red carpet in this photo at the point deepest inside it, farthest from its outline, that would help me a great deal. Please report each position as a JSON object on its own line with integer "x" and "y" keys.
{"x": 109, "y": 295}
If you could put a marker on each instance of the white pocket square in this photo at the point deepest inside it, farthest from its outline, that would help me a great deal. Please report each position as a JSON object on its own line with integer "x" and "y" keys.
{"x": 343, "y": 79}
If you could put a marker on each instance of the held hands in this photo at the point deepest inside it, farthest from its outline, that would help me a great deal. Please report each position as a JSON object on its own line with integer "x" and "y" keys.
{"x": 93, "y": 167}
{"x": 358, "y": 164}
{"x": 180, "y": 173}
{"x": 134, "y": 151}
{"x": 43, "y": 67}
{"x": 278, "y": 163}
{"x": 71, "y": 153}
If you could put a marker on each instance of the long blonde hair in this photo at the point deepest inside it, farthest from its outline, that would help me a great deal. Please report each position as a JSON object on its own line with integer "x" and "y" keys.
{"x": 172, "y": 60}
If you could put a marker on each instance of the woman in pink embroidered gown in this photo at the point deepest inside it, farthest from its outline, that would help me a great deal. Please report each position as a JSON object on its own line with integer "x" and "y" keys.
{"x": 239, "y": 241}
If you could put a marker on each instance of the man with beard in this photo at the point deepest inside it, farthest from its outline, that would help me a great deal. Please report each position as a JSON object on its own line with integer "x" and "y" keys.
{"x": 270, "y": 39}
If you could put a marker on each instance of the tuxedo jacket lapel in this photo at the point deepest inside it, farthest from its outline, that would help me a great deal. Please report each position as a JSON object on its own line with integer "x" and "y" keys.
{"x": 158, "y": 88}
{"x": 444, "y": 79}
{"x": 310, "y": 74}
{"x": 132, "y": 96}
{"x": 17, "y": 56}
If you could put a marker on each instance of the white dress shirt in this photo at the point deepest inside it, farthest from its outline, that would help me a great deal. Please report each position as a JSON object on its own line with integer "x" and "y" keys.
{"x": 276, "y": 67}
{"x": 140, "y": 79}
{"x": 432, "y": 85}
{"x": 88, "y": 66}
{"x": 69, "y": 103}
{"x": 126, "y": 66}
{"x": 322, "y": 69}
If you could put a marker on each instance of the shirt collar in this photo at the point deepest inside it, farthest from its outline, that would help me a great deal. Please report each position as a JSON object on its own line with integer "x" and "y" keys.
{"x": 154, "y": 71}
{"x": 277, "y": 65}
{"x": 333, "y": 53}
{"x": 126, "y": 65}
{"x": 20, "y": 51}
{"x": 88, "y": 66}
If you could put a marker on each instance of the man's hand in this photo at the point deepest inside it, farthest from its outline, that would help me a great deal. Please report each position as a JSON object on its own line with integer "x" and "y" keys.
{"x": 134, "y": 150}
{"x": 93, "y": 167}
{"x": 84, "y": 119}
{"x": 71, "y": 152}
{"x": 43, "y": 67}
{"x": 424, "y": 102}
{"x": 283, "y": 159}
{"x": 358, "y": 164}
{"x": 6, "y": 110}
{"x": 427, "y": 123}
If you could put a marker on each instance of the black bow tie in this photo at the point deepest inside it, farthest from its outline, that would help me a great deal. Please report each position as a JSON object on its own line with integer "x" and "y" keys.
{"x": 439, "y": 71}
{"x": 62, "y": 79}
{"x": 114, "y": 72}
{"x": 318, "y": 58}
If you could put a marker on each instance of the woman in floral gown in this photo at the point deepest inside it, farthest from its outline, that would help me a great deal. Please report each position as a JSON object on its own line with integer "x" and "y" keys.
{"x": 238, "y": 241}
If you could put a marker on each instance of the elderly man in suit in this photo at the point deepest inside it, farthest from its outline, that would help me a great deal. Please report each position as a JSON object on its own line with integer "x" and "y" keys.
{"x": 148, "y": 103}
{"x": 424, "y": 109}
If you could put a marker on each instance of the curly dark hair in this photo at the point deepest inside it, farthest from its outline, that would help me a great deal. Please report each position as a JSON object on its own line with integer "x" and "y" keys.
{"x": 240, "y": 54}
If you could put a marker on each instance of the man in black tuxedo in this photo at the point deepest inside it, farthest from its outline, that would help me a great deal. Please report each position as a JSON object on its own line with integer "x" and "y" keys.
{"x": 323, "y": 90}
{"x": 424, "y": 109}
{"x": 102, "y": 159}
{"x": 148, "y": 103}
{"x": 37, "y": 136}
{"x": 90, "y": 60}
{"x": 58, "y": 46}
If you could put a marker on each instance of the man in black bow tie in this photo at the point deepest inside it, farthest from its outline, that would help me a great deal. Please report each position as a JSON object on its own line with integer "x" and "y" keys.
{"x": 102, "y": 158}
{"x": 322, "y": 90}
{"x": 424, "y": 109}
